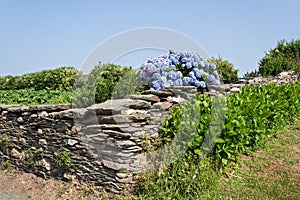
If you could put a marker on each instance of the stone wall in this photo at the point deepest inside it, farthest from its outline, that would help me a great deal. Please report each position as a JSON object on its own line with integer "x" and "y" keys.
{"x": 103, "y": 144}
{"x": 288, "y": 77}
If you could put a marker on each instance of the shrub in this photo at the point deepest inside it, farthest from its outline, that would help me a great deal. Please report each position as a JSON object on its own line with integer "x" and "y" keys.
{"x": 178, "y": 68}
{"x": 285, "y": 56}
{"x": 102, "y": 83}
{"x": 58, "y": 79}
{"x": 250, "y": 118}
{"x": 226, "y": 70}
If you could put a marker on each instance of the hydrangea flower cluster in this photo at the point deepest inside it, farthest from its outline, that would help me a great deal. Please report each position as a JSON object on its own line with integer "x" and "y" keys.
{"x": 177, "y": 69}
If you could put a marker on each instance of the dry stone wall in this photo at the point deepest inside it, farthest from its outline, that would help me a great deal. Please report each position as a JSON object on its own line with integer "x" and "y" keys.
{"x": 103, "y": 144}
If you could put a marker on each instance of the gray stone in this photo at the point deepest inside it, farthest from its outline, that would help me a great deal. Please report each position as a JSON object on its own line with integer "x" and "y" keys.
{"x": 115, "y": 166}
{"x": 71, "y": 142}
{"x": 235, "y": 90}
{"x": 145, "y": 97}
{"x": 125, "y": 143}
{"x": 20, "y": 120}
{"x": 17, "y": 154}
{"x": 42, "y": 142}
{"x": 113, "y": 119}
{"x": 159, "y": 93}
{"x": 117, "y": 133}
{"x": 162, "y": 105}
{"x": 116, "y": 106}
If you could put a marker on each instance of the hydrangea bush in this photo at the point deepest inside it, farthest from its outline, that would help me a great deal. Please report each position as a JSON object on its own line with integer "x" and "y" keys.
{"x": 177, "y": 69}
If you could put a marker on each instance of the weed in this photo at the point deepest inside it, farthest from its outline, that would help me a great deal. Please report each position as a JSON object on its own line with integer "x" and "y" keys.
{"x": 63, "y": 158}
{"x": 4, "y": 140}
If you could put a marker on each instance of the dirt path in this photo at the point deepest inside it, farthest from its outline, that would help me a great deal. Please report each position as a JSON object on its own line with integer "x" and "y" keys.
{"x": 15, "y": 185}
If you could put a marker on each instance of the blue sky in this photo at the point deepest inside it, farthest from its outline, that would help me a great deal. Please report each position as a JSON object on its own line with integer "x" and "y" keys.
{"x": 37, "y": 35}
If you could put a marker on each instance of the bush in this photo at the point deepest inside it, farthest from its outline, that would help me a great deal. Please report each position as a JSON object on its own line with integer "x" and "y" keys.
{"x": 104, "y": 82}
{"x": 285, "y": 56}
{"x": 226, "y": 70}
{"x": 177, "y": 69}
{"x": 251, "y": 117}
{"x": 58, "y": 79}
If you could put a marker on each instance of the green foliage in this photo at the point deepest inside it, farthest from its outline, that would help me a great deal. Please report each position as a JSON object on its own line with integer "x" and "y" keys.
{"x": 192, "y": 178}
{"x": 105, "y": 81}
{"x": 250, "y": 118}
{"x": 4, "y": 140}
{"x": 187, "y": 178}
{"x": 58, "y": 79}
{"x": 32, "y": 97}
{"x": 226, "y": 70}
{"x": 285, "y": 56}
{"x": 33, "y": 157}
{"x": 63, "y": 158}
{"x": 251, "y": 74}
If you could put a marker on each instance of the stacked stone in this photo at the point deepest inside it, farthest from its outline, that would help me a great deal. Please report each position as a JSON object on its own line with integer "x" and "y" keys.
{"x": 106, "y": 141}
{"x": 288, "y": 77}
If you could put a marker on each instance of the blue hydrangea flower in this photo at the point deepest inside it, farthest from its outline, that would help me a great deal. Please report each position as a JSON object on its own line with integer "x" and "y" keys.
{"x": 188, "y": 65}
{"x": 155, "y": 85}
{"x": 211, "y": 78}
{"x": 156, "y": 76}
{"x": 192, "y": 75}
{"x": 179, "y": 74}
{"x": 172, "y": 75}
{"x": 198, "y": 73}
{"x": 195, "y": 64}
{"x": 186, "y": 80}
{"x": 163, "y": 79}
{"x": 184, "y": 60}
{"x": 212, "y": 66}
{"x": 178, "y": 82}
{"x": 202, "y": 84}
{"x": 173, "y": 67}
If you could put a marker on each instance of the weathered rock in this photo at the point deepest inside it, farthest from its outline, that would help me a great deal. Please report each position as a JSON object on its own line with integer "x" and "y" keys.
{"x": 235, "y": 90}
{"x": 116, "y": 106}
{"x": 162, "y": 105}
{"x": 146, "y": 97}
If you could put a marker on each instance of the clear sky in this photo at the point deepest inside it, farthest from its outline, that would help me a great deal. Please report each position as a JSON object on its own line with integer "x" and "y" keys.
{"x": 37, "y": 35}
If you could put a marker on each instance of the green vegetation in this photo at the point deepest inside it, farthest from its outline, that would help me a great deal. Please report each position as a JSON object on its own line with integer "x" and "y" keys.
{"x": 32, "y": 97}
{"x": 285, "y": 56}
{"x": 58, "y": 79}
{"x": 271, "y": 173}
{"x": 250, "y": 118}
{"x": 33, "y": 157}
{"x": 5, "y": 140}
{"x": 102, "y": 83}
{"x": 226, "y": 70}
{"x": 63, "y": 158}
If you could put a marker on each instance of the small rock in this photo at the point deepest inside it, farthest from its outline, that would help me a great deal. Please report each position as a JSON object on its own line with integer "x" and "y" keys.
{"x": 43, "y": 114}
{"x": 22, "y": 140}
{"x": 235, "y": 90}
{"x": 16, "y": 154}
{"x": 42, "y": 142}
{"x": 162, "y": 105}
{"x": 20, "y": 120}
{"x": 72, "y": 142}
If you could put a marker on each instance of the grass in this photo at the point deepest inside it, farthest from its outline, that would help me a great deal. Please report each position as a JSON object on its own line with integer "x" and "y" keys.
{"x": 273, "y": 172}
